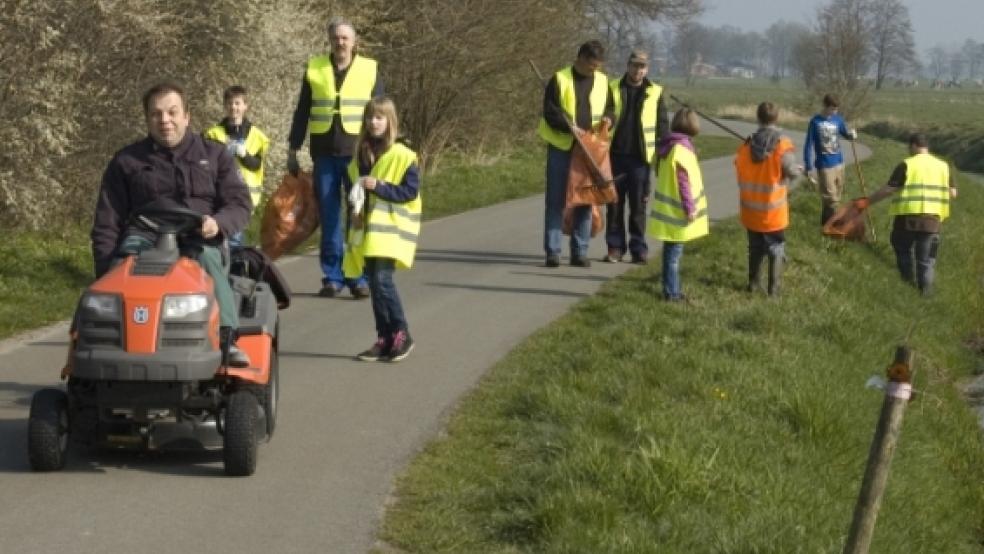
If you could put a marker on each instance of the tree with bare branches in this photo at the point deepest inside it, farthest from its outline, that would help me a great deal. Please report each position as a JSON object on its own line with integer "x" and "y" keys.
{"x": 892, "y": 43}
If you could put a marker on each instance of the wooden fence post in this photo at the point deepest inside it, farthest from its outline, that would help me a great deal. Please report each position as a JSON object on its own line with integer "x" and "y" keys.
{"x": 897, "y": 395}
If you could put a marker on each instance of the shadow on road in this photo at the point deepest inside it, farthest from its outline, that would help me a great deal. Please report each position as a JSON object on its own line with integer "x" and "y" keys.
{"x": 315, "y": 355}
{"x": 16, "y": 394}
{"x": 511, "y": 290}
{"x": 478, "y": 257}
{"x": 598, "y": 278}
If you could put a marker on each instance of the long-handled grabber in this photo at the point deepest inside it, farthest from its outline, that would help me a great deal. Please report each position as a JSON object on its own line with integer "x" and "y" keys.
{"x": 709, "y": 118}
{"x": 857, "y": 164}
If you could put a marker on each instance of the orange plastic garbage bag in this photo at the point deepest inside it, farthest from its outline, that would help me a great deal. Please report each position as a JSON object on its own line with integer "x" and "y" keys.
{"x": 290, "y": 217}
{"x": 589, "y": 180}
{"x": 847, "y": 223}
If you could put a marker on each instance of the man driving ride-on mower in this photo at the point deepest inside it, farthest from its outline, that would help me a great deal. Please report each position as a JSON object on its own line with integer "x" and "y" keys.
{"x": 172, "y": 164}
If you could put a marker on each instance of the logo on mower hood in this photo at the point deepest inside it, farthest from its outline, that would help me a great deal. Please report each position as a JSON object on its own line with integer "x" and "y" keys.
{"x": 141, "y": 314}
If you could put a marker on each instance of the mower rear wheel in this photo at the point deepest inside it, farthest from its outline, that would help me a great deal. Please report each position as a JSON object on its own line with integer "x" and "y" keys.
{"x": 47, "y": 430}
{"x": 239, "y": 448}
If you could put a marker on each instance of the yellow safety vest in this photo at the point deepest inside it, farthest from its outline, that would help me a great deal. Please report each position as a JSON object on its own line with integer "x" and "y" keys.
{"x": 391, "y": 228}
{"x": 667, "y": 219}
{"x": 257, "y": 143}
{"x": 565, "y": 88}
{"x": 926, "y": 190}
{"x": 355, "y": 93}
{"x": 648, "y": 115}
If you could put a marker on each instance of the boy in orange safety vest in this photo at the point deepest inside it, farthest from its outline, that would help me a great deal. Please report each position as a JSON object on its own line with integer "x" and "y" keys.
{"x": 765, "y": 165}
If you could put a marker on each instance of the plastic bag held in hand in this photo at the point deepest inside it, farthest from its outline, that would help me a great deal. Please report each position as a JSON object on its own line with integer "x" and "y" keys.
{"x": 290, "y": 216}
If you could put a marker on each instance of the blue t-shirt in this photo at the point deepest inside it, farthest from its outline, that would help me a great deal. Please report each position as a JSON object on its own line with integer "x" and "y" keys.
{"x": 822, "y": 147}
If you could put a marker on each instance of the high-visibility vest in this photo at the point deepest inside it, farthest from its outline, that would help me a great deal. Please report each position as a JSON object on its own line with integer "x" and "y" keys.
{"x": 762, "y": 191}
{"x": 926, "y": 190}
{"x": 648, "y": 115}
{"x": 257, "y": 143}
{"x": 565, "y": 88}
{"x": 667, "y": 219}
{"x": 391, "y": 228}
{"x": 351, "y": 100}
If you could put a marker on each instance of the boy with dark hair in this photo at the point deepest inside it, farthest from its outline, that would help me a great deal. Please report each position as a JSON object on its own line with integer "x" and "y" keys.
{"x": 247, "y": 144}
{"x": 823, "y": 146}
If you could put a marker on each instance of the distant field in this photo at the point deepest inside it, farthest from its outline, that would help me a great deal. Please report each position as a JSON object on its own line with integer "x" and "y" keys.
{"x": 738, "y": 97}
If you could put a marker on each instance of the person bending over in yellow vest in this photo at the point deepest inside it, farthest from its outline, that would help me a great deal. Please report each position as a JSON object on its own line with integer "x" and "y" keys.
{"x": 390, "y": 219}
{"x": 923, "y": 185}
{"x": 247, "y": 144}
{"x": 679, "y": 209}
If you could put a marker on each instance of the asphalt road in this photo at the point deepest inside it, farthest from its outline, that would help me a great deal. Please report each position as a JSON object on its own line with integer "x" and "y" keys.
{"x": 346, "y": 428}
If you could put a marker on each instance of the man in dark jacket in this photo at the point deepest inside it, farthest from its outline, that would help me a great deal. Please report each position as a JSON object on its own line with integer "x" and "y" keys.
{"x": 173, "y": 164}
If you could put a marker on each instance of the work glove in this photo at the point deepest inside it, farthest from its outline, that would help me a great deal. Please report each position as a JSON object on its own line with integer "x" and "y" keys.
{"x": 853, "y": 133}
{"x": 861, "y": 203}
{"x": 240, "y": 150}
{"x": 292, "y": 166}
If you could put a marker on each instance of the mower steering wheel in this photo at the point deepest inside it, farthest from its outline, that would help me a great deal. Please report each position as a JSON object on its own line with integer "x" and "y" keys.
{"x": 167, "y": 216}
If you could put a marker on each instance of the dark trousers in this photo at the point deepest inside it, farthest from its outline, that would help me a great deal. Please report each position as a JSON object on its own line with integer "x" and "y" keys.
{"x": 634, "y": 188}
{"x": 924, "y": 246}
{"x": 386, "y": 305}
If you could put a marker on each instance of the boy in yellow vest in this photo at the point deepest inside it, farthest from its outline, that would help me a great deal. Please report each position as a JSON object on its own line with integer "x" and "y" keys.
{"x": 924, "y": 186}
{"x": 247, "y": 144}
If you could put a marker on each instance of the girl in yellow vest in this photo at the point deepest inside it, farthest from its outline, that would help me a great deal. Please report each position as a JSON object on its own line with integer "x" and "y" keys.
{"x": 390, "y": 220}
{"x": 679, "y": 209}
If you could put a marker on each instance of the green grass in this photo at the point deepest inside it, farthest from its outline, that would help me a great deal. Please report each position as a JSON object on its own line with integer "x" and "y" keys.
{"x": 710, "y": 146}
{"x": 731, "y": 424}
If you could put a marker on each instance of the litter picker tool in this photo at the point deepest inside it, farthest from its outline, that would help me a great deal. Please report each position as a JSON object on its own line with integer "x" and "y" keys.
{"x": 709, "y": 118}
{"x": 857, "y": 164}
{"x": 596, "y": 169}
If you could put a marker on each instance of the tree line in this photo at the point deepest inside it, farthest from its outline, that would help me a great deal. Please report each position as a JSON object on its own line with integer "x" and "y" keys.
{"x": 71, "y": 75}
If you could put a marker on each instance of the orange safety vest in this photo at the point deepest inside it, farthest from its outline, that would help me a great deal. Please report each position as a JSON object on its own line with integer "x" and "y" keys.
{"x": 762, "y": 190}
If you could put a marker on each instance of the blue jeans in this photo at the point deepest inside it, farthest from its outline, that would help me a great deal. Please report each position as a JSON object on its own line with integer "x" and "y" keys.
{"x": 925, "y": 246}
{"x": 386, "y": 306}
{"x": 558, "y": 166}
{"x": 210, "y": 259}
{"x": 634, "y": 188}
{"x": 672, "y": 252}
{"x": 328, "y": 172}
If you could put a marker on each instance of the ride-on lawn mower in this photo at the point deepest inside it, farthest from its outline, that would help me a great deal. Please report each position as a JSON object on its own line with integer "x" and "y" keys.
{"x": 147, "y": 364}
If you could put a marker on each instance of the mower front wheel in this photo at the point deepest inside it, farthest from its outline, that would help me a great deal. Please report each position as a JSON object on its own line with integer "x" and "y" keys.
{"x": 47, "y": 430}
{"x": 241, "y": 437}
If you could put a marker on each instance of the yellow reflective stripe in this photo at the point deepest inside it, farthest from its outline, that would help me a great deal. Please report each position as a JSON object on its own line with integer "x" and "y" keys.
{"x": 359, "y": 102}
{"x": 907, "y": 199}
{"x": 678, "y": 204}
{"x": 649, "y": 129}
{"x": 320, "y": 117}
{"x": 762, "y": 206}
{"x": 398, "y": 209}
{"x": 940, "y": 188}
{"x": 321, "y": 103}
{"x": 384, "y": 229}
{"x": 351, "y": 117}
{"x": 676, "y": 221}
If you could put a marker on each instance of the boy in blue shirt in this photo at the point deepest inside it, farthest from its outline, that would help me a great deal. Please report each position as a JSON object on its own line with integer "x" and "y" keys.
{"x": 823, "y": 140}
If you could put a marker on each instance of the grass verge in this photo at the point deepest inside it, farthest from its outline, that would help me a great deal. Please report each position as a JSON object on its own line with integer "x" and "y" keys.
{"x": 734, "y": 423}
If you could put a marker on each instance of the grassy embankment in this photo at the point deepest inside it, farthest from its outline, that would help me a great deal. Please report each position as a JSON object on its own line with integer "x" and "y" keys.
{"x": 733, "y": 423}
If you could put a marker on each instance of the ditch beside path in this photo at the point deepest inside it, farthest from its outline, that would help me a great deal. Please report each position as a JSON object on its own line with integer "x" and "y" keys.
{"x": 346, "y": 428}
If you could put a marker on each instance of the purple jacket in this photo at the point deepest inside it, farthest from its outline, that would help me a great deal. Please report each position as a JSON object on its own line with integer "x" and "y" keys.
{"x": 683, "y": 180}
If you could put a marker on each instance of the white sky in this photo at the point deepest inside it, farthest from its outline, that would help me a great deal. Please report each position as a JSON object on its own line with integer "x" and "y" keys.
{"x": 943, "y": 22}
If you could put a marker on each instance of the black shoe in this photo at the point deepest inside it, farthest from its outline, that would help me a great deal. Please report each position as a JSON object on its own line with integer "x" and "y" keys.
{"x": 378, "y": 351}
{"x": 329, "y": 291}
{"x": 640, "y": 259}
{"x": 237, "y": 358}
{"x": 580, "y": 261}
{"x": 402, "y": 345}
{"x": 360, "y": 291}
{"x": 553, "y": 260}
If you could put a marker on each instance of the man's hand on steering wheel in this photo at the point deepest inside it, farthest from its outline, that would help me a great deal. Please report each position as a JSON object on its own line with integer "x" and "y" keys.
{"x": 209, "y": 227}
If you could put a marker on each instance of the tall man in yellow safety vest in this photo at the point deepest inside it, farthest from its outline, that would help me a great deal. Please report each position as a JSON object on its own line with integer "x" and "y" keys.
{"x": 640, "y": 120}
{"x": 247, "y": 143}
{"x": 765, "y": 164}
{"x": 334, "y": 91}
{"x": 924, "y": 186}
{"x": 577, "y": 95}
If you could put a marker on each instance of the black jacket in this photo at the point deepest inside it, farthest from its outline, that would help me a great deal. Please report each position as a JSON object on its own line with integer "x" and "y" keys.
{"x": 198, "y": 174}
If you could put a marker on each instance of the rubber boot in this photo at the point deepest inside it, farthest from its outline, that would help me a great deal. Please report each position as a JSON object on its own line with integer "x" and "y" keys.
{"x": 775, "y": 275}
{"x": 754, "y": 271}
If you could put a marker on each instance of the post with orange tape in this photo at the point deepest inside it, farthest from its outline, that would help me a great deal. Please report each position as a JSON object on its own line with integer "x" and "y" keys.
{"x": 897, "y": 394}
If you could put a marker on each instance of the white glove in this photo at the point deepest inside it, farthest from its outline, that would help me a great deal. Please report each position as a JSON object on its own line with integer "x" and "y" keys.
{"x": 853, "y": 134}
{"x": 240, "y": 150}
{"x": 357, "y": 197}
